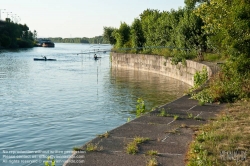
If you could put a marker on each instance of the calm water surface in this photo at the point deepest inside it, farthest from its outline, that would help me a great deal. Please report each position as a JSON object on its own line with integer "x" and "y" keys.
{"x": 54, "y": 106}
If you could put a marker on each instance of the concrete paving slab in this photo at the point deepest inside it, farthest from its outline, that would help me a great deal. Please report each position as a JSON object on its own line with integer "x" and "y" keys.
{"x": 168, "y": 136}
{"x": 153, "y": 119}
{"x": 131, "y": 130}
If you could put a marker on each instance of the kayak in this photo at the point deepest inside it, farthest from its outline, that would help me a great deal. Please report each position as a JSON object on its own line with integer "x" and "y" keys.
{"x": 96, "y": 58}
{"x": 43, "y": 59}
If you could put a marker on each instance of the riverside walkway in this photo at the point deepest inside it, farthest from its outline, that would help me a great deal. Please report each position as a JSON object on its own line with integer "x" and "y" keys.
{"x": 168, "y": 136}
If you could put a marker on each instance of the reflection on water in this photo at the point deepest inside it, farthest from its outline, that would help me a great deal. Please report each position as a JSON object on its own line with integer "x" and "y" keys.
{"x": 65, "y": 103}
{"x": 155, "y": 89}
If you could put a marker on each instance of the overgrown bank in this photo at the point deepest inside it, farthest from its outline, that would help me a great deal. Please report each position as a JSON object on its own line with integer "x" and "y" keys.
{"x": 220, "y": 30}
{"x": 216, "y": 28}
{"x": 225, "y": 140}
{"x": 14, "y": 35}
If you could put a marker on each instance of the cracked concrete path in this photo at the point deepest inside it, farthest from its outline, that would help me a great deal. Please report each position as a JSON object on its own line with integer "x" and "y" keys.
{"x": 168, "y": 136}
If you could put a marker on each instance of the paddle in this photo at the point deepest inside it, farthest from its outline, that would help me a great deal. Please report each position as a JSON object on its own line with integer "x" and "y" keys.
{"x": 45, "y": 58}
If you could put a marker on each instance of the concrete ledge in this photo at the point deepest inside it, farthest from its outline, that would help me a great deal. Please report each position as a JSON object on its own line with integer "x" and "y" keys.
{"x": 160, "y": 65}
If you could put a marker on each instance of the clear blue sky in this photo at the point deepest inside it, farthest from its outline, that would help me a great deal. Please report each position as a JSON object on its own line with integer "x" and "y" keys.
{"x": 80, "y": 18}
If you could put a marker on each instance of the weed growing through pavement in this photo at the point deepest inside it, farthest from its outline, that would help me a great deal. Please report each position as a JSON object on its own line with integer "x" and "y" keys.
{"x": 173, "y": 131}
{"x": 132, "y": 147}
{"x": 152, "y": 153}
{"x": 176, "y": 117}
{"x": 129, "y": 119}
{"x": 152, "y": 162}
{"x": 140, "y": 140}
{"x": 163, "y": 113}
{"x": 190, "y": 115}
{"x": 93, "y": 147}
{"x": 76, "y": 148}
{"x": 105, "y": 135}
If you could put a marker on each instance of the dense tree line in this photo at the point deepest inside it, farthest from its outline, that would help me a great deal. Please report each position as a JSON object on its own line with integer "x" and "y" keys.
{"x": 94, "y": 40}
{"x": 13, "y": 35}
{"x": 216, "y": 27}
{"x": 179, "y": 33}
{"x": 227, "y": 25}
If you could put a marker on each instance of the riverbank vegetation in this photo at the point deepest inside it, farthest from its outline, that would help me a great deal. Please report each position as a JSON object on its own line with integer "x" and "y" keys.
{"x": 212, "y": 30}
{"x": 225, "y": 140}
{"x": 14, "y": 35}
{"x": 93, "y": 40}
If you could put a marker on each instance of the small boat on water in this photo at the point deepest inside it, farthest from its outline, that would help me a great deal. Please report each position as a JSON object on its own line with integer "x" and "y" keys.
{"x": 96, "y": 58}
{"x": 43, "y": 59}
{"x": 48, "y": 44}
{"x": 42, "y": 42}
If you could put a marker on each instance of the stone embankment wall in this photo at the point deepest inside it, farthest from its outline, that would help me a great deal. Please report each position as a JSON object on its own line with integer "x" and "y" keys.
{"x": 160, "y": 65}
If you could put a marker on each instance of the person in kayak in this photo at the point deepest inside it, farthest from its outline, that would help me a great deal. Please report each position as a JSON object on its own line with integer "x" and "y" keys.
{"x": 95, "y": 57}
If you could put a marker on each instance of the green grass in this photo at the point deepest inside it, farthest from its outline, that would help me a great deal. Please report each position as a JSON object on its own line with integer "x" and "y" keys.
{"x": 211, "y": 57}
{"x": 176, "y": 117}
{"x": 198, "y": 118}
{"x": 152, "y": 153}
{"x": 77, "y": 148}
{"x": 152, "y": 162}
{"x": 105, "y": 135}
{"x": 140, "y": 140}
{"x": 90, "y": 147}
{"x": 190, "y": 116}
{"x": 229, "y": 132}
{"x": 164, "y": 113}
{"x": 132, "y": 147}
{"x": 173, "y": 131}
{"x": 201, "y": 103}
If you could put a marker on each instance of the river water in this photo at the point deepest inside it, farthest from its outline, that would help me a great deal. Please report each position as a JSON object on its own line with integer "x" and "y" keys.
{"x": 47, "y": 108}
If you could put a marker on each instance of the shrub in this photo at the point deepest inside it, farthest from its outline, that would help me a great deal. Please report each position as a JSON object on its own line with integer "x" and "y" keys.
{"x": 140, "y": 107}
{"x": 200, "y": 77}
{"x": 132, "y": 148}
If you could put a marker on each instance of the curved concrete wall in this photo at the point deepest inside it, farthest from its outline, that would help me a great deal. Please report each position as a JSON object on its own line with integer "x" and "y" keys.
{"x": 160, "y": 65}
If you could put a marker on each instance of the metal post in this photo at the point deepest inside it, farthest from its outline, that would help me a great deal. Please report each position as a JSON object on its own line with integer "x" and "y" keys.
{"x": 1, "y": 12}
{"x": 8, "y": 14}
{"x": 13, "y": 17}
{"x": 18, "y": 19}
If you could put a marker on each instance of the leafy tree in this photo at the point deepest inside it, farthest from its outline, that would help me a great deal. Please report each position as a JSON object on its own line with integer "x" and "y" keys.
{"x": 163, "y": 29}
{"x": 35, "y": 34}
{"x": 228, "y": 25}
{"x": 108, "y": 36}
{"x": 148, "y": 20}
{"x": 189, "y": 32}
{"x": 122, "y": 36}
{"x": 191, "y": 4}
{"x": 5, "y": 41}
{"x": 15, "y": 35}
{"x": 137, "y": 36}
